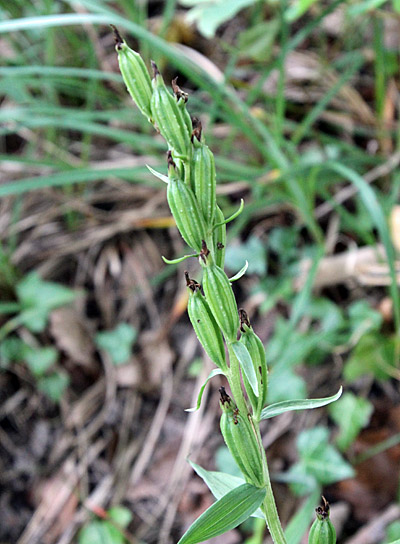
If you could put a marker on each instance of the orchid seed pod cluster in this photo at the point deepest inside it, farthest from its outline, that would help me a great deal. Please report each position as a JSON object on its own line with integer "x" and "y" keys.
{"x": 225, "y": 334}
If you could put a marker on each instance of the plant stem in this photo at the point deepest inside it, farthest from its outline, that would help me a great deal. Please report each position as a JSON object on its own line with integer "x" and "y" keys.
{"x": 271, "y": 513}
{"x": 268, "y": 507}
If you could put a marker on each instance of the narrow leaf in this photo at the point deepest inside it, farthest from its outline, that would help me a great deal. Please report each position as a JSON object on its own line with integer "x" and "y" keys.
{"x": 358, "y": 411}
{"x": 241, "y": 273}
{"x": 221, "y": 483}
{"x": 232, "y": 217}
{"x": 301, "y": 404}
{"x": 375, "y": 210}
{"x": 158, "y": 175}
{"x": 179, "y": 259}
{"x": 246, "y": 364}
{"x": 225, "y": 514}
{"x": 213, "y": 373}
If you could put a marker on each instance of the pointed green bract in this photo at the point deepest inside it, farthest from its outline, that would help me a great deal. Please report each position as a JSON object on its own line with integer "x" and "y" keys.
{"x": 213, "y": 373}
{"x": 257, "y": 353}
{"x": 226, "y": 514}
{"x": 241, "y": 273}
{"x": 246, "y": 364}
{"x": 301, "y": 404}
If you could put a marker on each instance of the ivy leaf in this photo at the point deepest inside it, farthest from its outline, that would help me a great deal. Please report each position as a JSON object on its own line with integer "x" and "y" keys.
{"x": 252, "y": 251}
{"x": 357, "y": 413}
{"x": 100, "y": 531}
{"x": 53, "y": 385}
{"x": 11, "y": 349}
{"x": 375, "y": 354}
{"x": 225, "y": 514}
{"x": 285, "y": 384}
{"x": 41, "y": 359}
{"x": 319, "y": 460}
{"x": 210, "y": 14}
{"x": 117, "y": 342}
{"x": 121, "y": 515}
{"x": 38, "y": 298}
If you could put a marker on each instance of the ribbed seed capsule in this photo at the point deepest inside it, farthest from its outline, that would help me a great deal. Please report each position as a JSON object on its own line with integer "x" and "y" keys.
{"x": 221, "y": 300}
{"x": 322, "y": 530}
{"x": 241, "y": 441}
{"x": 203, "y": 175}
{"x": 135, "y": 75}
{"x": 204, "y": 324}
{"x": 257, "y": 353}
{"x": 219, "y": 238}
{"x": 185, "y": 209}
{"x": 169, "y": 117}
{"x": 181, "y": 99}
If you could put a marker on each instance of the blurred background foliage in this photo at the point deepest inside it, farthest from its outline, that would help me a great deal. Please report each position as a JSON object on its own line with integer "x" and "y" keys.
{"x": 300, "y": 104}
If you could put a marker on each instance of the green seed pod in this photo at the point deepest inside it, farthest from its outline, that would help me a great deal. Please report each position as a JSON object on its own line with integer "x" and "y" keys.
{"x": 135, "y": 75}
{"x": 257, "y": 353}
{"x": 185, "y": 209}
{"x": 204, "y": 177}
{"x": 182, "y": 98}
{"x": 169, "y": 117}
{"x": 204, "y": 324}
{"x": 241, "y": 441}
{"x": 322, "y": 530}
{"x": 221, "y": 300}
{"x": 219, "y": 238}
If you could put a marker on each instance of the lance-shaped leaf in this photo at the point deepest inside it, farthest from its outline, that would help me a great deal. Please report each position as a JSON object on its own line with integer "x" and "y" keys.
{"x": 158, "y": 175}
{"x": 243, "y": 355}
{"x": 213, "y": 373}
{"x": 232, "y": 217}
{"x": 241, "y": 273}
{"x": 225, "y": 514}
{"x": 179, "y": 259}
{"x": 221, "y": 483}
{"x": 301, "y": 404}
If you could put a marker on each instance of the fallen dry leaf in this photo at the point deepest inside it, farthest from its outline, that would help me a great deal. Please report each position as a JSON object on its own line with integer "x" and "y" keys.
{"x": 71, "y": 335}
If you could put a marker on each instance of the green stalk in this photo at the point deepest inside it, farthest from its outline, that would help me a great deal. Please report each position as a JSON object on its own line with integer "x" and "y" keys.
{"x": 269, "y": 508}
